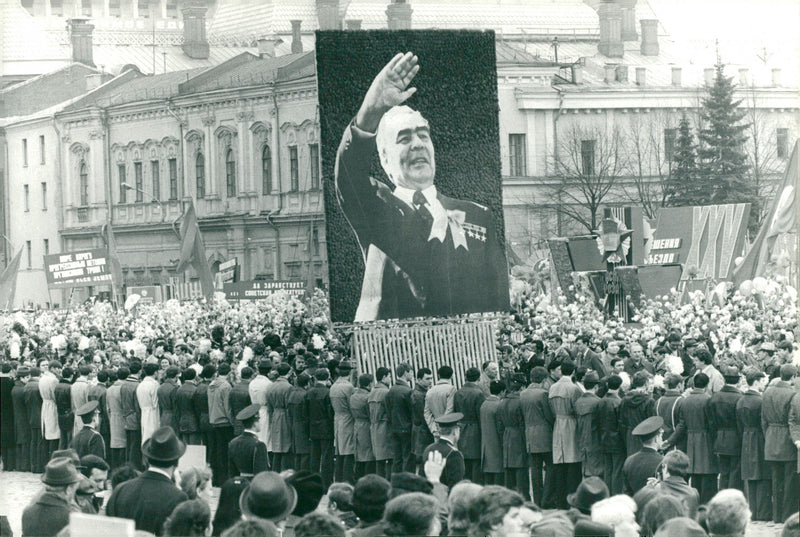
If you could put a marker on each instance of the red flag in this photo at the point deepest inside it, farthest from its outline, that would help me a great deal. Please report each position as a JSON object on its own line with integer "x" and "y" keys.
{"x": 8, "y": 282}
{"x": 113, "y": 257}
{"x": 193, "y": 251}
{"x": 780, "y": 219}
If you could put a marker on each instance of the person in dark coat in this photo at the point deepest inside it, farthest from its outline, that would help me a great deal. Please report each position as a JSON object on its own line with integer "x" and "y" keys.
{"x": 188, "y": 428}
{"x": 511, "y": 426}
{"x": 637, "y": 406}
{"x": 665, "y": 406}
{"x": 586, "y": 357}
{"x": 539, "y": 421}
{"x": 779, "y": 450}
{"x": 379, "y": 422}
{"x": 63, "y": 397}
{"x": 694, "y": 425}
{"x": 247, "y": 455}
{"x": 641, "y": 466}
{"x": 89, "y": 441}
{"x": 398, "y": 413}
{"x": 239, "y": 398}
{"x": 447, "y": 445}
{"x": 612, "y": 443}
{"x": 298, "y": 417}
{"x": 344, "y": 442}
{"x": 98, "y": 392}
{"x": 754, "y": 470}
{"x": 672, "y": 481}
{"x": 468, "y": 400}
{"x": 150, "y": 498}
{"x": 8, "y": 444}
{"x": 132, "y": 415}
{"x": 588, "y": 430}
{"x": 168, "y": 399}
{"x": 421, "y": 435}
{"x": 22, "y": 431}
{"x": 33, "y": 404}
{"x": 491, "y": 439}
{"x": 49, "y": 512}
{"x": 359, "y": 408}
{"x": 727, "y": 438}
{"x": 320, "y": 426}
{"x": 280, "y": 430}
{"x": 200, "y": 406}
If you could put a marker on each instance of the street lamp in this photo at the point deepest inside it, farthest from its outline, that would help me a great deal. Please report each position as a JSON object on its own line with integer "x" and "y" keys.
{"x": 126, "y": 186}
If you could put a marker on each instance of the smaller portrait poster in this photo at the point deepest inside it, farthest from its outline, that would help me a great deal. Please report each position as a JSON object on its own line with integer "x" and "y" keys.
{"x": 411, "y": 168}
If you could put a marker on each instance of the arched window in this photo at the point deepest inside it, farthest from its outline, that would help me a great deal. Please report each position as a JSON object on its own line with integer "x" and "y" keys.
{"x": 266, "y": 171}
{"x": 200, "y": 175}
{"x": 84, "y": 184}
{"x": 230, "y": 173}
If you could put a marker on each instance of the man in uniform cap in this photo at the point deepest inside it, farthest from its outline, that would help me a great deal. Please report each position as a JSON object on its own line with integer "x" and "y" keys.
{"x": 447, "y": 445}
{"x": 643, "y": 465}
{"x": 247, "y": 454}
{"x": 88, "y": 441}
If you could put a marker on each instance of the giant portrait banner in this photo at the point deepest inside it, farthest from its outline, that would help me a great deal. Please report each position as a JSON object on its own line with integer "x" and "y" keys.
{"x": 411, "y": 174}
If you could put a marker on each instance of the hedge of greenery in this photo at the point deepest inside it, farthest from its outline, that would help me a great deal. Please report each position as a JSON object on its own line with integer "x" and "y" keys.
{"x": 456, "y": 92}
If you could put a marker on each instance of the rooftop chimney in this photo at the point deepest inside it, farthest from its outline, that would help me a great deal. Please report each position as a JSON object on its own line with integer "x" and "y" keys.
{"x": 195, "y": 44}
{"x": 352, "y": 24}
{"x": 266, "y": 47}
{"x": 297, "y": 38}
{"x": 708, "y": 76}
{"x": 610, "y": 29}
{"x": 328, "y": 15}
{"x": 744, "y": 77}
{"x": 676, "y": 76}
{"x": 610, "y": 71}
{"x": 641, "y": 76}
{"x": 649, "y": 37}
{"x": 80, "y": 36}
{"x": 577, "y": 73}
{"x": 628, "y": 20}
{"x": 622, "y": 73}
{"x": 398, "y": 14}
{"x": 776, "y": 77}
{"x": 93, "y": 81}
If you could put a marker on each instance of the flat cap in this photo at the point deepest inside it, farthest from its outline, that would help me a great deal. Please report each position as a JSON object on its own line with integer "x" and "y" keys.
{"x": 86, "y": 409}
{"x": 729, "y": 371}
{"x": 450, "y": 419}
{"x": 649, "y": 426}
{"x": 591, "y": 376}
{"x": 248, "y": 412}
{"x": 689, "y": 342}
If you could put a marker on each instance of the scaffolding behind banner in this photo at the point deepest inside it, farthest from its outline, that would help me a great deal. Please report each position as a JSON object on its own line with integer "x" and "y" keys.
{"x": 460, "y": 345}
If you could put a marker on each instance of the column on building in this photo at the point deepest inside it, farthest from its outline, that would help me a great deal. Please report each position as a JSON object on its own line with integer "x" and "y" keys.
{"x": 245, "y": 140}
{"x": 211, "y": 172}
{"x": 530, "y": 139}
{"x": 96, "y": 165}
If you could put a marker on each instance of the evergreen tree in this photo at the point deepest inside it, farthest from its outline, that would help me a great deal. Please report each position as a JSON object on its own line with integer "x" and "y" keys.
{"x": 722, "y": 163}
{"x": 682, "y": 183}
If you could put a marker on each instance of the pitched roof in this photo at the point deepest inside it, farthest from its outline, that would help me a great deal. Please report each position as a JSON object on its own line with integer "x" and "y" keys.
{"x": 24, "y": 45}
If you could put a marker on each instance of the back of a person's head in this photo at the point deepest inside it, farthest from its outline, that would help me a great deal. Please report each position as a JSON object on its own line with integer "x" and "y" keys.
{"x": 458, "y": 507}
{"x": 370, "y": 495}
{"x": 410, "y": 514}
{"x": 640, "y": 379}
{"x": 701, "y": 380}
{"x": 496, "y": 387}
{"x": 228, "y": 510}
{"x": 727, "y": 513}
{"x": 617, "y": 511}
{"x": 122, "y": 474}
{"x": 316, "y": 524}
{"x": 681, "y": 527}
{"x": 189, "y": 519}
{"x": 342, "y": 495}
{"x": 489, "y": 507}
{"x": 677, "y": 463}
{"x": 658, "y": 510}
{"x": 254, "y": 527}
{"x": 445, "y": 372}
{"x": 193, "y": 479}
{"x": 791, "y": 528}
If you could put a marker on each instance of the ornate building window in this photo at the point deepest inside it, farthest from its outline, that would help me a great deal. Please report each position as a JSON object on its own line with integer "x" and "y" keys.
{"x": 123, "y": 192}
{"x": 200, "y": 175}
{"x": 266, "y": 171}
{"x": 173, "y": 178}
{"x": 155, "y": 172}
{"x": 294, "y": 169}
{"x": 313, "y": 161}
{"x": 84, "y": 184}
{"x": 139, "y": 178}
{"x": 230, "y": 173}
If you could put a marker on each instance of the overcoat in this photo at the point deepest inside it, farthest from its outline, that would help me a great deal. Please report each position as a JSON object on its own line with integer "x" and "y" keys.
{"x": 379, "y": 424}
{"x": 749, "y": 425}
{"x": 33, "y": 404}
{"x": 422, "y": 436}
{"x": 22, "y": 431}
{"x": 398, "y": 408}
{"x": 148, "y": 500}
{"x": 167, "y": 404}
{"x": 778, "y": 445}
{"x": 694, "y": 425}
{"x": 638, "y": 468}
{"x": 147, "y": 395}
{"x": 320, "y": 413}
{"x": 115, "y": 415}
{"x": 454, "y": 461}
{"x": 636, "y": 407}
{"x": 468, "y": 400}
{"x": 6, "y": 412}
{"x": 238, "y": 400}
{"x": 47, "y": 516}
{"x": 563, "y": 395}
{"x": 200, "y": 406}
{"x": 184, "y": 409}
{"x": 130, "y": 404}
{"x": 722, "y": 419}
{"x": 247, "y": 455}
{"x": 66, "y": 419}
{"x": 280, "y": 429}
{"x": 359, "y": 408}
{"x": 611, "y": 441}
{"x": 539, "y": 419}
{"x": 47, "y": 388}
{"x": 89, "y": 442}
{"x": 491, "y": 438}
{"x": 258, "y": 395}
{"x": 665, "y": 407}
{"x": 79, "y": 394}
{"x": 794, "y": 423}
{"x": 511, "y": 423}
{"x": 343, "y": 423}
{"x": 99, "y": 393}
{"x": 588, "y": 432}
{"x": 298, "y": 416}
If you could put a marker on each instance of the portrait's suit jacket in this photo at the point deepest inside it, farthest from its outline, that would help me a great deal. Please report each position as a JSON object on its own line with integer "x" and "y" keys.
{"x": 406, "y": 274}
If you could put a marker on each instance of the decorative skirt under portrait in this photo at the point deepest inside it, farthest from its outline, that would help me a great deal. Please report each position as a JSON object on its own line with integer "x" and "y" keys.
{"x": 411, "y": 166}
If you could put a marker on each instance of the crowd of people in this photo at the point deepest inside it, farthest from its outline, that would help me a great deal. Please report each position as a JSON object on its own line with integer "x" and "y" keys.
{"x": 584, "y": 429}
